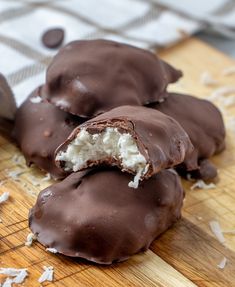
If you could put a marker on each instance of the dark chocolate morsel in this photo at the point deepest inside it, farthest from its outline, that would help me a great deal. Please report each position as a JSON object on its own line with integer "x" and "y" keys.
{"x": 39, "y": 129}
{"x": 7, "y": 101}
{"x": 53, "y": 38}
{"x": 90, "y": 77}
{"x": 203, "y": 123}
{"x": 136, "y": 139}
{"x": 96, "y": 216}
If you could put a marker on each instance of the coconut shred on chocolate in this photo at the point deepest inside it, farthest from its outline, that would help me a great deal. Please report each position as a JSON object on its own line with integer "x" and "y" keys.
{"x": 138, "y": 140}
{"x": 96, "y": 216}
{"x": 89, "y": 77}
{"x": 204, "y": 124}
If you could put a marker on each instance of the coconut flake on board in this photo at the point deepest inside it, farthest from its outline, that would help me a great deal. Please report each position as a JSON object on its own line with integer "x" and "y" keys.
{"x": 207, "y": 79}
{"x": 29, "y": 239}
{"x": 18, "y": 275}
{"x": 222, "y": 91}
{"x": 200, "y": 184}
{"x": 222, "y": 263}
{"x": 47, "y": 275}
{"x": 215, "y": 228}
{"x": 228, "y": 71}
{"x": 4, "y": 197}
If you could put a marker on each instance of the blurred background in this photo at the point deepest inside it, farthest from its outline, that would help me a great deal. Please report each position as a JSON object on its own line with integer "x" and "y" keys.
{"x": 26, "y": 48}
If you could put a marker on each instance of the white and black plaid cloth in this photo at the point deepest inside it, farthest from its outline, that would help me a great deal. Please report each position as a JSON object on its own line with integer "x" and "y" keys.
{"x": 149, "y": 24}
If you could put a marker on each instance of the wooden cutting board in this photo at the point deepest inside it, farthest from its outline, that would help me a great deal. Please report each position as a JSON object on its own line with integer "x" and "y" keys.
{"x": 186, "y": 255}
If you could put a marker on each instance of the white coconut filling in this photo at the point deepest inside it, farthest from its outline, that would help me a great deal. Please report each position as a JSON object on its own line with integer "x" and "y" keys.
{"x": 97, "y": 147}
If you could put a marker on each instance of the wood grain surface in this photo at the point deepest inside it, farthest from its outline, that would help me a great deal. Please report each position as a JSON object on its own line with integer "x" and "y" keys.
{"x": 186, "y": 255}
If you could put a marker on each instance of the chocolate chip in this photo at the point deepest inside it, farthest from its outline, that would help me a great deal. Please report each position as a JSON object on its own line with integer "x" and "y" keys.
{"x": 53, "y": 38}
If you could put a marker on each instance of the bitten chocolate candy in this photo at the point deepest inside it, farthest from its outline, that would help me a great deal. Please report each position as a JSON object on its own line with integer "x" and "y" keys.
{"x": 96, "y": 216}
{"x": 203, "y": 123}
{"x": 87, "y": 78}
{"x": 138, "y": 140}
{"x": 39, "y": 129}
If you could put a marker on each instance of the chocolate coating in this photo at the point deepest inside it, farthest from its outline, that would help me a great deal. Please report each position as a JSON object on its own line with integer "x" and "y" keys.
{"x": 96, "y": 216}
{"x": 7, "y": 101}
{"x": 39, "y": 129}
{"x": 203, "y": 123}
{"x": 90, "y": 77}
{"x": 159, "y": 138}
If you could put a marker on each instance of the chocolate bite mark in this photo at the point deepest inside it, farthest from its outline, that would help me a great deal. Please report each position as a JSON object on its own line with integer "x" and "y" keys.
{"x": 138, "y": 140}
{"x": 96, "y": 216}
{"x": 109, "y": 145}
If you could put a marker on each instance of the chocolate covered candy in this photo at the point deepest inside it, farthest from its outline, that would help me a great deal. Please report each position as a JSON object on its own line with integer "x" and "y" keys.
{"x": 96, "y": 216}
{"x": 90, "y": 77}
{"x": 203, "y": 123}
{"x": 39, "y": 129}
{"x": 138, "y": 140}
{"x": 7, "y": 101}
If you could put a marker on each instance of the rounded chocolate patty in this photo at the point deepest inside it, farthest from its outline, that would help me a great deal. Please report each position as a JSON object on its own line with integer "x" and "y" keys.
{"x": 203, "y": 123}
{"x": 89, "y": 77}
{"x": 96, "y": 216}
{"x": 39, "y": 129}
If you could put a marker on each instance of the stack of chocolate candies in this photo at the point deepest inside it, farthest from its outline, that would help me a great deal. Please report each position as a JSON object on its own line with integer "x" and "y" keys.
{"x": 105, "y": 122}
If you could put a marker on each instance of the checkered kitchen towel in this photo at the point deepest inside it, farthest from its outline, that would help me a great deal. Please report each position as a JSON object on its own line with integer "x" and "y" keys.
{"x": 144, "y": 23}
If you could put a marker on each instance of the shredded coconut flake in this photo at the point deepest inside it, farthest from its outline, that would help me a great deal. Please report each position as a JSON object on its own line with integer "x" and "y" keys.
{"x": 36, "y": 100}
{"x": 15, "y": 174}
{"x": 228, "y": 102}
{"x": 223, "y": 91}
{"x": 47, "y": 177}
{"x": 30, "y": 238}
{"x": 62, "y": 103}
{"x": 215, "y": 228}
{"x": 4, "y": 196}
{"x": 202, "y": 185}
{"x": 47, "y": 275}
{"x": 52, "y": 250}
{"x": 18, "y": 275}
{"x": 222, "y": 263}
{"x": 207, "y": 79}
{"x": 229, "y": 71}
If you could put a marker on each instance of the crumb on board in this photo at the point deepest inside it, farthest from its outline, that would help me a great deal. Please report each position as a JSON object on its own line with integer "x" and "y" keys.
{"x": 16, "y": 276}
{"x": 230, "y": 232}
{"x": 30, "y": 238}
{"x": 207, "y": 79}
{"x": 4, "y": 197}
{"x": 215, "y": 228}
{"x": 222, "y": 263}
{"x": 47, "y": 275}
{"x": 200, "y": 184}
